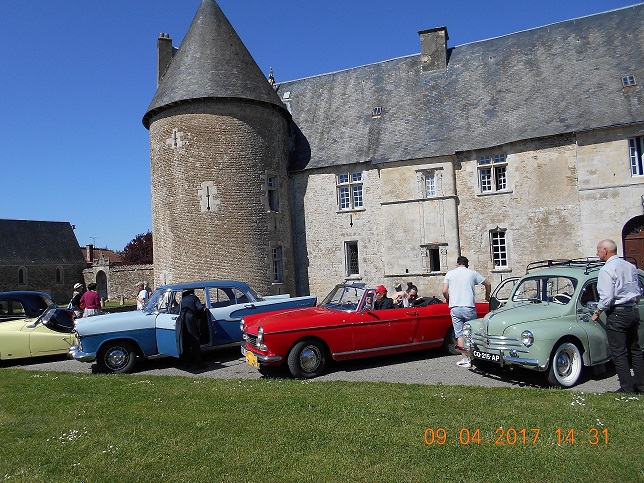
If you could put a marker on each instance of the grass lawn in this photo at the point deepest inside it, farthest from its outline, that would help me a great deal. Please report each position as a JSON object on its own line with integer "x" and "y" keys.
{"x": 81, "y": 427}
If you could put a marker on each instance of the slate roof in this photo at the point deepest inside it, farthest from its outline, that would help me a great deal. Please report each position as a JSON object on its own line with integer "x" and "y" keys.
{"x": 212, "y": 62}
{"x": 25, "y": 242}
{"x": 560, "y": 78}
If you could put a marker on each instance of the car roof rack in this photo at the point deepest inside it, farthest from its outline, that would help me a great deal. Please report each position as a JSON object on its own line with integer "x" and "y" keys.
{"x": 588, "y": 263}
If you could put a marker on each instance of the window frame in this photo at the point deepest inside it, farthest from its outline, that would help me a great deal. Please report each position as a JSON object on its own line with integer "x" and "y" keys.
{"x": 628, "y": 81}
{"x": 498, "y": 250}
{"x": 495, "y": 169}
{"x": 351, "y": 258}
{"x": 636, "y": 155}
{"x": 277, "y": 264}
{"x": 272, "y": 192}
{"x": 430, "y": 175}
{"x": 22, "y": 276}
{"x": 350, "y": 191}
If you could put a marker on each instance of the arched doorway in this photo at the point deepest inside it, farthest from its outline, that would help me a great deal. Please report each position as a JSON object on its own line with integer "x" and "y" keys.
{"x": 101, "y": 284}
{"x": 633, "y": 240}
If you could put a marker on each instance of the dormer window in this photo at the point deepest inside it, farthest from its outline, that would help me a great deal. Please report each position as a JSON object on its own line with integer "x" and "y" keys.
{"x": 628, "y": 81}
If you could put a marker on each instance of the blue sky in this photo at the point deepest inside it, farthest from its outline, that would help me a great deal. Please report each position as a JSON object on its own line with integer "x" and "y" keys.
{"x": 76, "y": 77}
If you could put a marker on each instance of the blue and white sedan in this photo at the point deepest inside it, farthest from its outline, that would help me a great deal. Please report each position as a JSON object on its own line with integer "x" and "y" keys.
{"x": 115, "y": 341}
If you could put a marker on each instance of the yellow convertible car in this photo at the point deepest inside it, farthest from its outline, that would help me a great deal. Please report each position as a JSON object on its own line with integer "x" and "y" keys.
{"x": 48, "y": 334}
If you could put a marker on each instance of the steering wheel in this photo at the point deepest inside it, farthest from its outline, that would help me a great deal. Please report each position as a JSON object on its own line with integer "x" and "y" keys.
{"x": 562, "y": 298}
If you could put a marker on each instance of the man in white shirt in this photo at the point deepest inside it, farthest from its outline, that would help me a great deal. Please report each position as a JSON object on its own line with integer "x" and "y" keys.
{"x": 142, "y": 296}
{"x": 619, "y": 294}
{"x": 458, "y": 290}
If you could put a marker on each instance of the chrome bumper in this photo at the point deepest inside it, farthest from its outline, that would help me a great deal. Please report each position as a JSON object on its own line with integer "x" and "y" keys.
{"x": 76, "y": 353}
{"x": 508, "y": 360}
{"x": 261, "y": 358}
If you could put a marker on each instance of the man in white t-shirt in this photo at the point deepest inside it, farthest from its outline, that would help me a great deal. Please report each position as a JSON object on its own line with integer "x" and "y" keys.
{"x": 458, "y": 290}
{"x": 142, "y": 296}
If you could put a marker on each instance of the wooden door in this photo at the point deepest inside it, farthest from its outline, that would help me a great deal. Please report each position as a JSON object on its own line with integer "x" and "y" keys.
{"x": 634, "y": 245}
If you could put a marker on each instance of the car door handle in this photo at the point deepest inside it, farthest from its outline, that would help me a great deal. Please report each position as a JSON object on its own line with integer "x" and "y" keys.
{"x": 412, "y": 314}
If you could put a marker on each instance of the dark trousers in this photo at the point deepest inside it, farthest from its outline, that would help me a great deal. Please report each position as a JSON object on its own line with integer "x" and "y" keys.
{"x": 192, "y": 350}
{"x": 622, "y": 324}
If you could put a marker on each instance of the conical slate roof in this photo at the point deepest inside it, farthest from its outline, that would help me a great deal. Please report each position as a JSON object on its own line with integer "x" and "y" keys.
{"x": 212, "y": 62}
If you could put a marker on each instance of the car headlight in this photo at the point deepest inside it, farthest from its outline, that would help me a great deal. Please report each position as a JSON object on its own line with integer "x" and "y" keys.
{"x": 527, "y": 339}
{"x": 260, "y": 339}
{"x": 467, "y": 330}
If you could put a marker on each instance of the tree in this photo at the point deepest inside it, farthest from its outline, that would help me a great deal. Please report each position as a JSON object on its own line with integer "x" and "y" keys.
{"x": 139, "y": 250}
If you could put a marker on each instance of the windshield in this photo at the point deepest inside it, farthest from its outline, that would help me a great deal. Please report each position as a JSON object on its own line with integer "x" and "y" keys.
{"x": 545, "y": 289}
{"x": 44, "y": 317}
{"x": 157, "y": 300}
{"x": 344, "y": 297}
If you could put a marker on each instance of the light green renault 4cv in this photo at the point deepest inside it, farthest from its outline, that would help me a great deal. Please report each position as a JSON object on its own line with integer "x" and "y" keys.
{"x": 542, "y": 321}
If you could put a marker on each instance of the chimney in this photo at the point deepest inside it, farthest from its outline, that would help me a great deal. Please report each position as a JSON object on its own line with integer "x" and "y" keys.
{"x": 90, "y": 253}
{"x": 165, "y": 52}
{"x": 433, "y": 49}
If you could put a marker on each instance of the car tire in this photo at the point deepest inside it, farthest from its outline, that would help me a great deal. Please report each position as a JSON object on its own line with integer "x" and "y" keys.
{"x": 307, "y": 359}
{"x": 565, "y": 365}
{"x": 450, "y": 342}
{"x": 117, "y": 357}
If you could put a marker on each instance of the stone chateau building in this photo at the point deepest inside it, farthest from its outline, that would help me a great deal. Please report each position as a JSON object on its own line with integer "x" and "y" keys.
{"x": 507, "y": 150}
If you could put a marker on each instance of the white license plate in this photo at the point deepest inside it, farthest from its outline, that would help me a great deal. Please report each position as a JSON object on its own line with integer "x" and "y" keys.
{"x": 485, "y": 356}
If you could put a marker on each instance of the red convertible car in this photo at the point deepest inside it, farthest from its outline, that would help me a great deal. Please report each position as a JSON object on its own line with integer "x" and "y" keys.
{"x": 344, "y": 326}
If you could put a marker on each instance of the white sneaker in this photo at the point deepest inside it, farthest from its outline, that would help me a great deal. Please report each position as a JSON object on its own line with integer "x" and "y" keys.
{"x": 465, "y": 362}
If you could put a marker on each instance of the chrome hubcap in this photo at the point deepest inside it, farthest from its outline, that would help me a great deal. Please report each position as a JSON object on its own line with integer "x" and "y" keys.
{"x": 564, "y": 364}
{"x": 310, "y": 358}
{"x": 116, "y": 357}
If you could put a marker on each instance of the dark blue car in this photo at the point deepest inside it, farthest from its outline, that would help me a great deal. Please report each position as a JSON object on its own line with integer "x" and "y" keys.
{"x": 23, "y": 304}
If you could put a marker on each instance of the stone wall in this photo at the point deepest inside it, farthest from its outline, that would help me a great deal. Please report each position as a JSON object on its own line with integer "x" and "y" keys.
{"x": 609, "y": 195}
{"x": 209, "y": 166}
{"x": 539, "y": 209}
{"x": 563, "y": 195}
{"x": 120, "y": 279}
{"x": 42, "y": 278}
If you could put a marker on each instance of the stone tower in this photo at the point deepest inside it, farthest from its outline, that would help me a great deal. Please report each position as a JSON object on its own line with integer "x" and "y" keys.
{"x": 219, "y": 139}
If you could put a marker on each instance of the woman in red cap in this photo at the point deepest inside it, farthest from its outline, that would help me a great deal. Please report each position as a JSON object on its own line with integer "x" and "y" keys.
{"x": 382, "y": 301}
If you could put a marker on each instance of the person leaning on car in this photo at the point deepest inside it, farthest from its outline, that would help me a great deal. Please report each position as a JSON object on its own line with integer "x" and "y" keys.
{"x": 619, "y": 294}
{"x": 191, "y": 311}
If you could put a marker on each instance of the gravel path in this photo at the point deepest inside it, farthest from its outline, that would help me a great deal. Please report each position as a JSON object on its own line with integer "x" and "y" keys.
{"x": 429, "y": 367}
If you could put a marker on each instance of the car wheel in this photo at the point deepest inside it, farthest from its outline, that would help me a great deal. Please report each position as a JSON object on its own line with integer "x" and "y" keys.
{"x": 307, "y": 359}
{"x": 450, "y": 342}
{"x": 565, "y": 365}
{"x": 117, "y": 357}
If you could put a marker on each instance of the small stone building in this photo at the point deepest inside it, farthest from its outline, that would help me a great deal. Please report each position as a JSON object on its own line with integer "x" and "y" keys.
{"x": 40, "y": 255}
